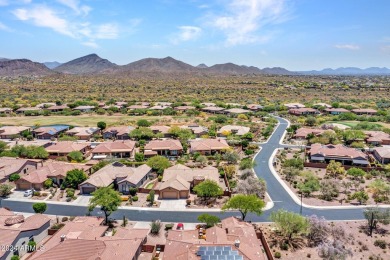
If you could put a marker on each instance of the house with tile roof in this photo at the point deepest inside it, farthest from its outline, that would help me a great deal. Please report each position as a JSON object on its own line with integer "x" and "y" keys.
{"x": 122, "y": 176}
{"x": 382, "y": 154}
{"x": 214, "y": 110}
{"x": 364, "y": 111}
{"x": 233, "y": 129}
{"x": 23, "y": 110}
{"x": 83, "y": 133}
{"x": 377, "y": 138}
{"x": 337, "y": 152}
{"x": 304, "y": 111}
{"x": 58, "y": 108}
{"x": 167, "y": 147}
{"x": 208, "y": 146}
{"x": 10, "y": 165}
{"x": 16, "y": 231}
{"x": 163, "y": 129}
{"x": 184, "y": 108}
{"x": 63, "y": 148}
{"x": 178, "y": 180}
{"x": 53, "y": 170}
{"x": 254, "y": 107}
{"x": 232, "y": 239}
{"x": 49, "y": 132}
{"x": 197, "y": 130}
{"x": 336, "y": 111}
{"x": 5, "y": 110}
{"x": 10, "y": 132}
{"x": 115, "y": 149}
{"x": 294, "y": 105}
{"x": 84, "y": 238}
{"x": 84, "y": 109}
{"x": 117, "y": 132}
{"x": 236, "y": 111}
{"x": 303, "y": 133}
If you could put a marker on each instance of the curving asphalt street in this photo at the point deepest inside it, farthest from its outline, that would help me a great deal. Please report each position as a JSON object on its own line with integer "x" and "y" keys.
{"x": 280, "y": 197}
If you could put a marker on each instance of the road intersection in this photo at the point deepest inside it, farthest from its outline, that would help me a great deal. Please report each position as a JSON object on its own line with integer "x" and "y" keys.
{"x": 281, "y": 195}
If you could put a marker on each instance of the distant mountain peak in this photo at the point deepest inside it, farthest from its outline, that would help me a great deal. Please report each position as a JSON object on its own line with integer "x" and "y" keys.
{"x": 202, "y": 66}
{"x": 52, "y": 64}
{"x": 23, "y": 67}
{"x": 89, "y": 64}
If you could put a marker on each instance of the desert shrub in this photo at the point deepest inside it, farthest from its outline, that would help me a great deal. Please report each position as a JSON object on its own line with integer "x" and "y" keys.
{"x": 168, "y": 226}
{"x": 133, "y": 191}
{"x": 380, "y": 243}
{"x": 155, "y": 227}
{"x": 277, "y": 255}
{"x": 135, "y": 198}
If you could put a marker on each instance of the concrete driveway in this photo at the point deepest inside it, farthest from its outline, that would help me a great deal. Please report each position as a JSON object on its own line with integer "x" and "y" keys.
{"x": 18, "y": 194}
{"x": 82, "y": 200}
{"x": 172, "y": 204}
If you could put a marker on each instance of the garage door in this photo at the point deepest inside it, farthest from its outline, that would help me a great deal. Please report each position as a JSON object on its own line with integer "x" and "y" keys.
{"x": 87, "y": 190}
{"x": 169, "y": 195}
{"x": 183, "y": 194}
{"x": 23, "y": 186}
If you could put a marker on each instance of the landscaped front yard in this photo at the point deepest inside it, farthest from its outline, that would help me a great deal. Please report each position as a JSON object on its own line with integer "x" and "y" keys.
{"x": 321, "y": 189}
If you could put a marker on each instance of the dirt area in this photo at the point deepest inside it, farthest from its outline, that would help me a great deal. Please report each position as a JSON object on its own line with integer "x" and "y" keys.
{"x": 212, "y": 203}
{"x": 141, "y": 202}
{"x": 60, "y": 195}
{"x": 348, "y": 185}
{"x": 361, "y": 245}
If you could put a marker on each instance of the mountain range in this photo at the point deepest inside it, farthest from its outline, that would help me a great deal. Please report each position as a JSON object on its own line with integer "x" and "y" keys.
{"x": 93, "y": 64}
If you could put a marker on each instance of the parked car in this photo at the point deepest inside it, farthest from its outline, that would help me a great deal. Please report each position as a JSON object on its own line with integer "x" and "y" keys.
{"x": 180, "y": 226}
{"x": 28, "y": 193}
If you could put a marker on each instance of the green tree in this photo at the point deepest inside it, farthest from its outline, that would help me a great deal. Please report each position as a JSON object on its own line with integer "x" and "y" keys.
{"x": 290, "y": 224}
{"x": 210, "y": 220}
{"x": 74, "y": 178}
{"x": 107, "y": 199}
{"x": 14, "y": 177}
{"x": 247, "y": 163}
{"x": 158, "y": 163}
{"x": 231, "y": 157}
{"x": 352, "y": 135}
{"x": 329, "y": 190}
{"x": 294, "y": 162}
{"x": 3, "y": 146}
{"x": 208, "y": 189}
{"x": 39, "y": 207}
{"x": 142, "y": 133}
{"x": 335, "y": 169}
{"x": 76, "y": 156}
{"x": 48, "y": 183}
{"x": 380, "y": 190}
{"x": 311, "y": 121}
{"x": 202, "y": 160}
{"x": 310, "y": 184}
{"x": 356, "y": 173}
{"x": 101, "y": 125}
{"x": 245, "y": 204}
{"x": 375, "y": 216}
{"x": 143, "y": 123}
{"x": 5, "y": 190}
{"x": 360, "y": 196}
{"x": 139, "y": 157}
{"x": 151, "y": 196}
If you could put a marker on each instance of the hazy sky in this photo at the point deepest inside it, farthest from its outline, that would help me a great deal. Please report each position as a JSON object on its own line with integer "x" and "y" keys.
{"x": 295, "y": 34}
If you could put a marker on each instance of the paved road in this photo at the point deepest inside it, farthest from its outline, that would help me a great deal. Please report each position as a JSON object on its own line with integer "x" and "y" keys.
{"x": 277, "y": 193}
